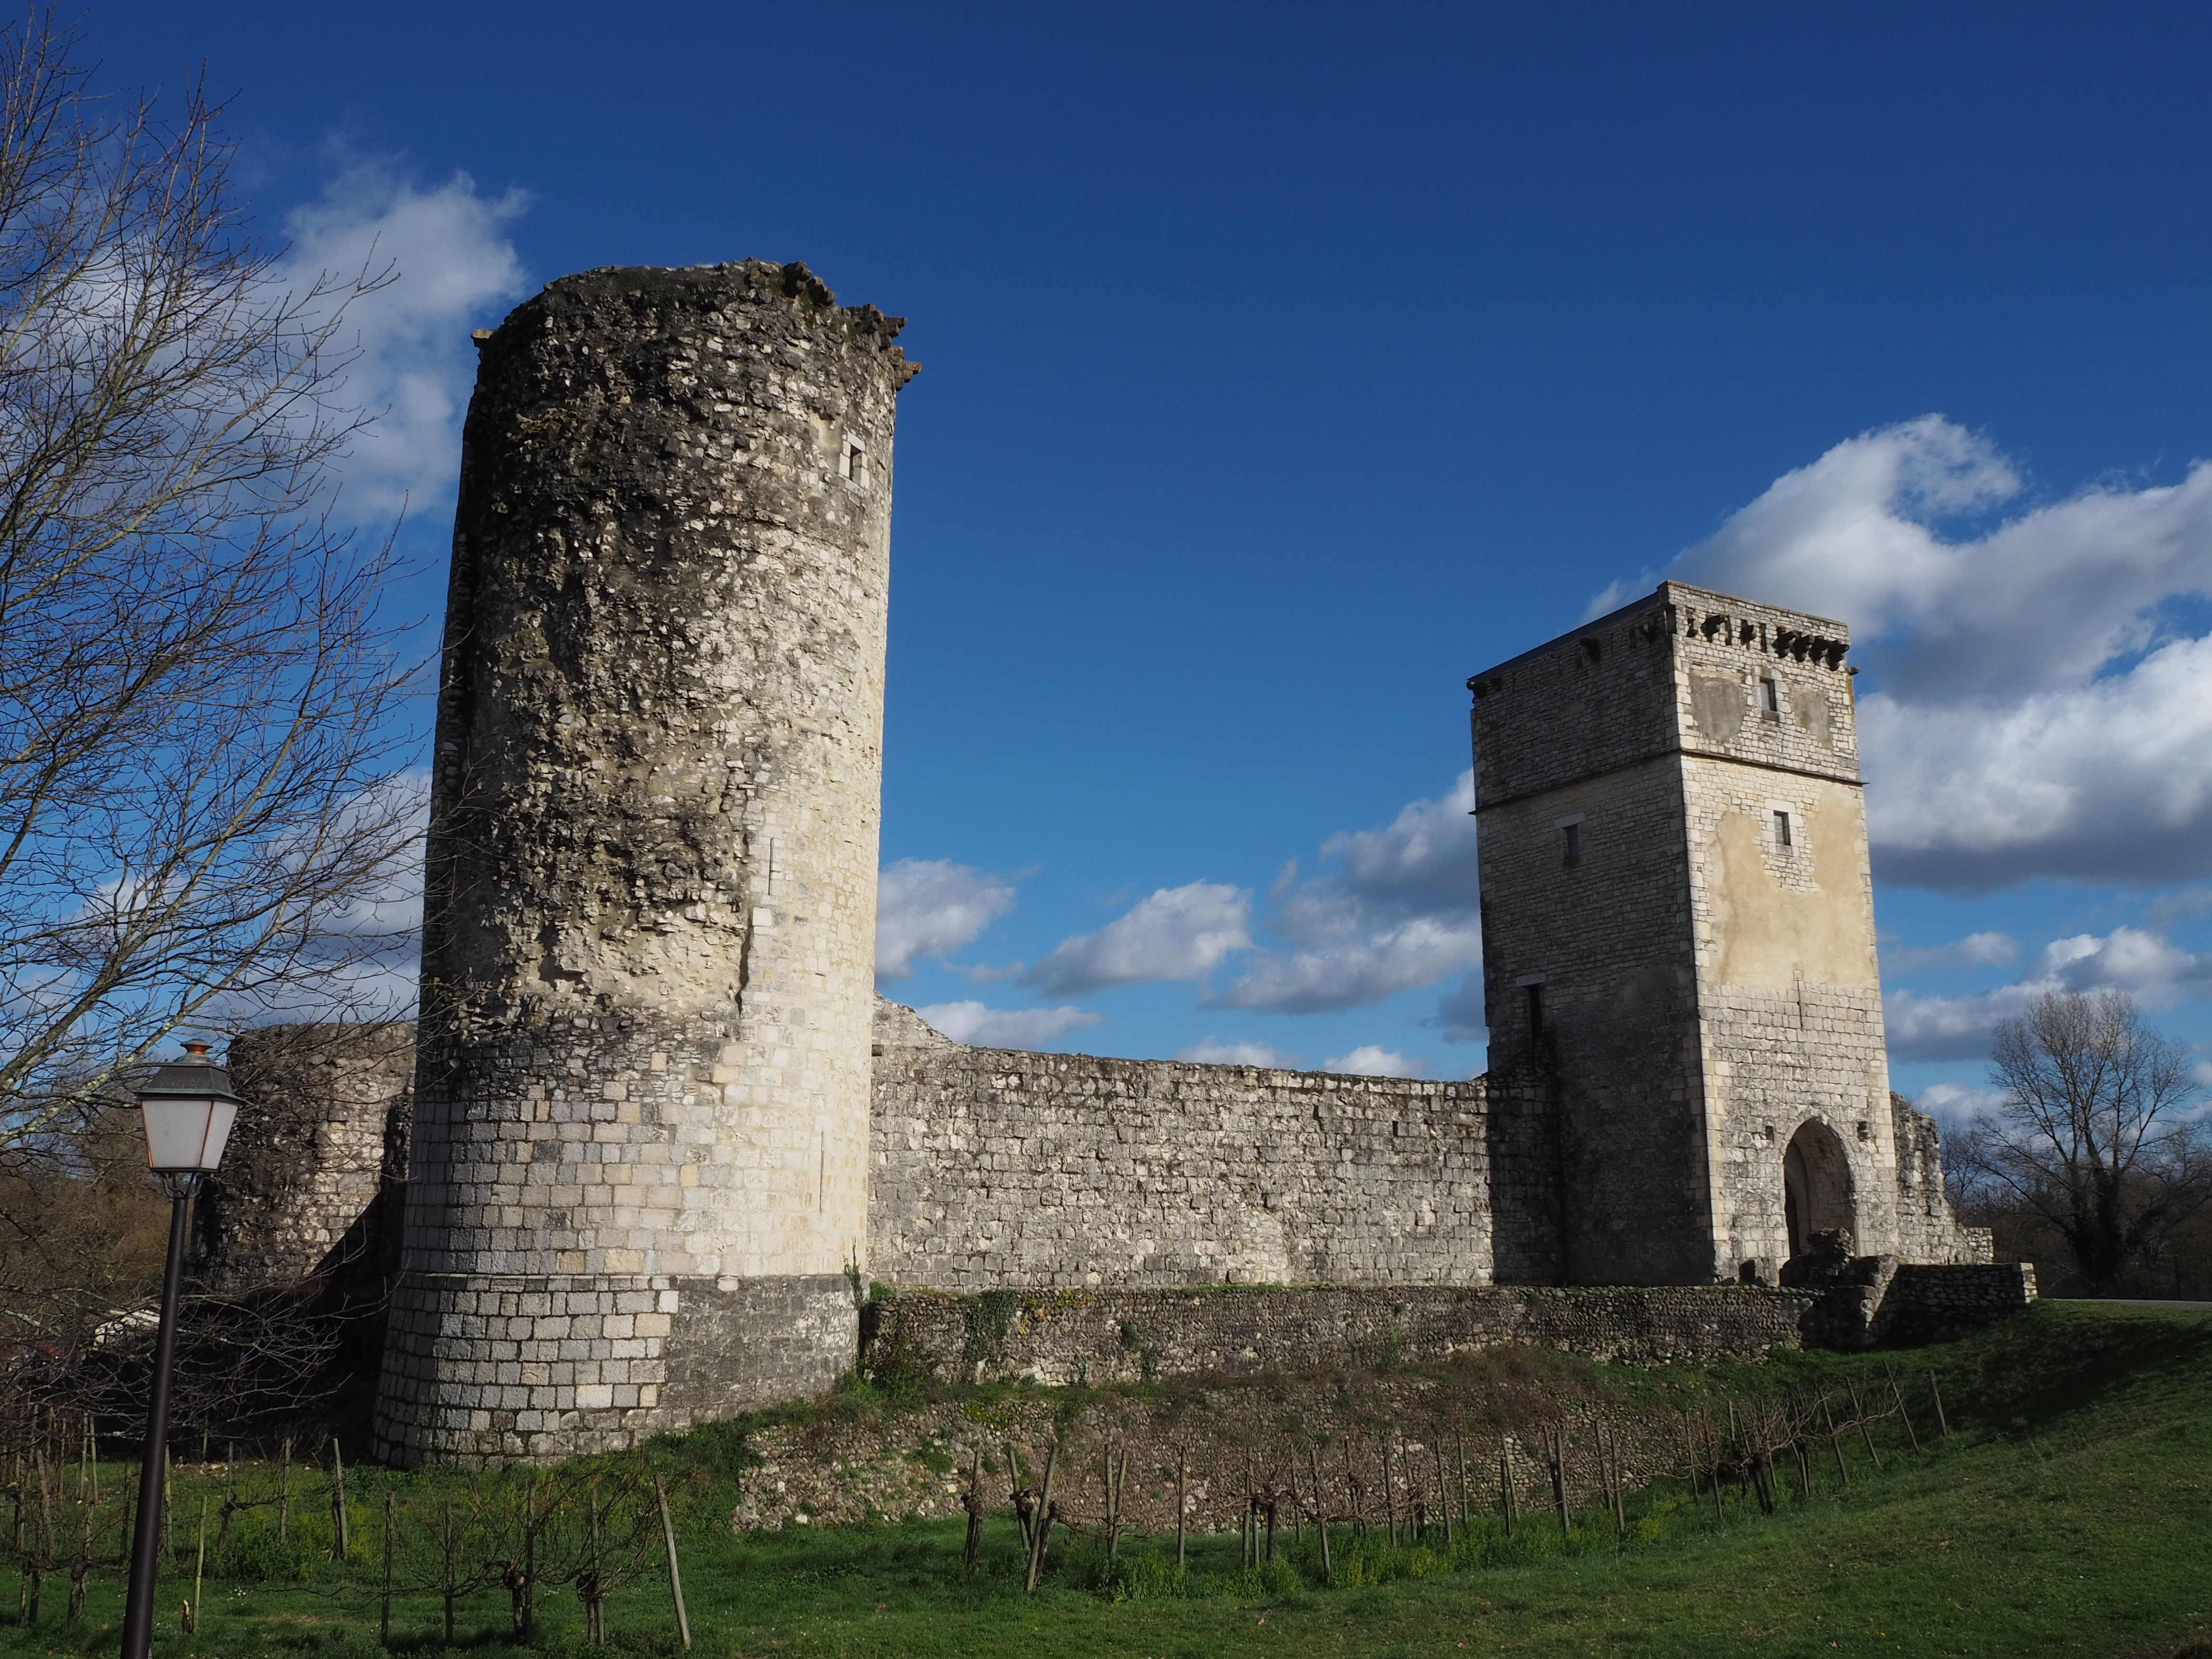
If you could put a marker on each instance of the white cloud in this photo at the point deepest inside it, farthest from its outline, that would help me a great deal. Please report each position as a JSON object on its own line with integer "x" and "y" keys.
{"x": 2108, "y": 781}
{"x": 1357, "y": 972}
{"x": 455, "y": 268}
{"x": 1393, "y": 908}
{"x": 1369, "y": 1061}
{"x": 1178, "y": 933}
{"x": 2147, "y": 965}
{"x": 1213, "y": 1052}
{"x": 1976, "y": 950}
{"x": 1004, "y": 1028}
{"x": 928, "y": 907}
{"x": 1956, "y": 1103}
{"x": 2040, "y": 710}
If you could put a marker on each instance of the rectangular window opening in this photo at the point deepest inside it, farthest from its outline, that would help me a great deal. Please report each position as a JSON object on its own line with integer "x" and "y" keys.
{"x": 1535, "y": 994}
{"x": 1781, "y": 830}
{"x": 1570, "y": 846}
{"x": 1770, "y": 700}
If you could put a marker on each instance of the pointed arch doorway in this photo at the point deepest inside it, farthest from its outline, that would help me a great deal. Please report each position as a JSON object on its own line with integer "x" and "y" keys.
{"x": 1816, "y": 1187}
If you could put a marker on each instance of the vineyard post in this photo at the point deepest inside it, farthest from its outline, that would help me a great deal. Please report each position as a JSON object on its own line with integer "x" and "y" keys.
{"x": 675, "y": 1571}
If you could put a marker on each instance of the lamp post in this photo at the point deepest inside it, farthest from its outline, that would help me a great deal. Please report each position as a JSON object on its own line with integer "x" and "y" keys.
{"x": 189, "y": 1109}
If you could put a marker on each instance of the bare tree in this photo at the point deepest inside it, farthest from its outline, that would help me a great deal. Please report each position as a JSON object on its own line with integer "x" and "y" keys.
{"x": 2095, "y": 1137}
{"x": 202, "y": 808}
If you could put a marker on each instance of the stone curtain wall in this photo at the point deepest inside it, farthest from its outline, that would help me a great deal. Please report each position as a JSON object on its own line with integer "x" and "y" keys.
{"x": 1129, "y": 1336}
{"x": 993, "y": 1168}
{"x": 317, "y": 1166}
{"x": 641, "y": 1131}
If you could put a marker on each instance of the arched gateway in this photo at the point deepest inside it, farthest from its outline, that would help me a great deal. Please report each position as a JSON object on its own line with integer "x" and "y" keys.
{"x": 1816, "y": 1187}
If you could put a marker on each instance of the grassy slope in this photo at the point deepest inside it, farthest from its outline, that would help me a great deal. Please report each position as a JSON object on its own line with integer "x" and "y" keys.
{"x": 2071, "y": 1514}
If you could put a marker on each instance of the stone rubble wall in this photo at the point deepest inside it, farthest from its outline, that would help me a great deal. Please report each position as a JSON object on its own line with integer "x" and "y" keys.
{"x": 992, "y": 1167}
{"x": 1937, "y": 1302}
{"x": 1926, "y": 1228}
{"x": 1100, "y": 1337}
{"x": 316, "y": 1170}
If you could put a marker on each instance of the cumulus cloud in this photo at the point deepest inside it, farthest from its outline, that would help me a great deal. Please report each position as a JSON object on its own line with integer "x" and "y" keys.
{"x": 1004, "y": 1028}
{"x": 1392, "y": 908}
{"x": 1178, "y": 933}
{"x": 1211, "y": 1052}
{"x": 1957, "y": 1103}
{"x": 455, "y": 268}
{"x": 1356, "y": 972}
{"x": 1976, "y": 950}
{"x": 930, "y": 907}
{"x": 1369, "y": 1061}
{"x": 2042, "y": 710}
{"x": 2147, "y": 965}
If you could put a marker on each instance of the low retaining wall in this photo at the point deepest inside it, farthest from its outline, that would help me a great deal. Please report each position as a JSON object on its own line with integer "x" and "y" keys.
{"x": 1128, "y": 1336}
{"x": 1062, "y": 1337}
{"x": 1935, "y": 1303}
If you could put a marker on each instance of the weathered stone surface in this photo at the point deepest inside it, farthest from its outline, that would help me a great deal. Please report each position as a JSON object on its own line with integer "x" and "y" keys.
{"x": 997, "y": 1168}
{"x": 653, "y": 1088}
{"x": 1132, "y": 1336}
{"x": 316, "y": 1170}
{"x": 650, "y": 917}
{"x": 1679, "y": 947}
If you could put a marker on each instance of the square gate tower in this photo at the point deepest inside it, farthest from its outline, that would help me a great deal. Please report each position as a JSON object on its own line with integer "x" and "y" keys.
{"x": 1678, "y": 936}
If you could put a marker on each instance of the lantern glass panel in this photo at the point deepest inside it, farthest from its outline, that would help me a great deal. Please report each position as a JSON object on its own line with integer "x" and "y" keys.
{"x": 177, "y": 1130}
{"x": 218, "y": 1134}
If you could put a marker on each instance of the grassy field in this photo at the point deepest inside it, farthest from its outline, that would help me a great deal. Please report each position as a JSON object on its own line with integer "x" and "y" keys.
{"x": 2068, "y": 1513}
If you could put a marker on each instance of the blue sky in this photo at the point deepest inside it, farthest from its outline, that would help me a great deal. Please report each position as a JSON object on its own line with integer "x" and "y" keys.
{"x": 1284, "y": 366}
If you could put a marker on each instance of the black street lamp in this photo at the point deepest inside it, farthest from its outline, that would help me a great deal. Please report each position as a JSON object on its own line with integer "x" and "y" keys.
{"x": 189, "y": 1109}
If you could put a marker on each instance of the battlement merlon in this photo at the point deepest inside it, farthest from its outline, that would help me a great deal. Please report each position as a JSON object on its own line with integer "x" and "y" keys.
{"x": 1683, "y": 671}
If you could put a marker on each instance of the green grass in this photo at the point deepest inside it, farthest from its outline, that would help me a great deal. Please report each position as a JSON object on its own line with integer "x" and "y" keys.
{"x": 2070, "y": 1513}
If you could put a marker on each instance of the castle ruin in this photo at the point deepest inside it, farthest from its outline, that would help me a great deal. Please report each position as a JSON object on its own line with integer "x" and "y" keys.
{"x": 662, "y": 1132}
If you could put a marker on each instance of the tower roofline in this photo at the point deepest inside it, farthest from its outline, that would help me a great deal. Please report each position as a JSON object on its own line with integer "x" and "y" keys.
{"x": 1681, "y": 594}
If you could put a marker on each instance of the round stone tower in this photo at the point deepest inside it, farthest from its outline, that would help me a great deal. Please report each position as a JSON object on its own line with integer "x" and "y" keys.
{"x": 637, "y": 1194}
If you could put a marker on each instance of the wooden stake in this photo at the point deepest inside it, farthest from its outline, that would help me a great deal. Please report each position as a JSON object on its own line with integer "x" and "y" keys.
{"x": 1443, "y": 1503}
{"x": 1505, "y": 1484}
{"x": 1320, "y": 1516}
{"x": 1117, "y": 1480}
{"x": 1835, "y": 1441}
{"x": 1182, "y": 1457}
{"x": 1941, "y": 1422}
{"x": 1865, "y": 1432}
{"x": 675, "y": 1569}
{"x": 972, "y": 1555}
{"x": 447, "y": 1584}
{"x": 1904, "y": 1416}
{"x": 199, "y": 1571}
{"x": 1352, "y": 1494}
{"x": 1014, "y": 1484}
{"x": 1041, "y": 1533}
{"x": 1390, "y": 1493}
{"x": 384, "y": 1607}
{"x": 342, "y": 1536}
{"x": 1560, "y": 1480}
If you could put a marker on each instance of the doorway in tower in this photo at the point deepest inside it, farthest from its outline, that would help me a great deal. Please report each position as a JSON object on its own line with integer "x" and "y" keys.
{"x": 1816, "y": 1187}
